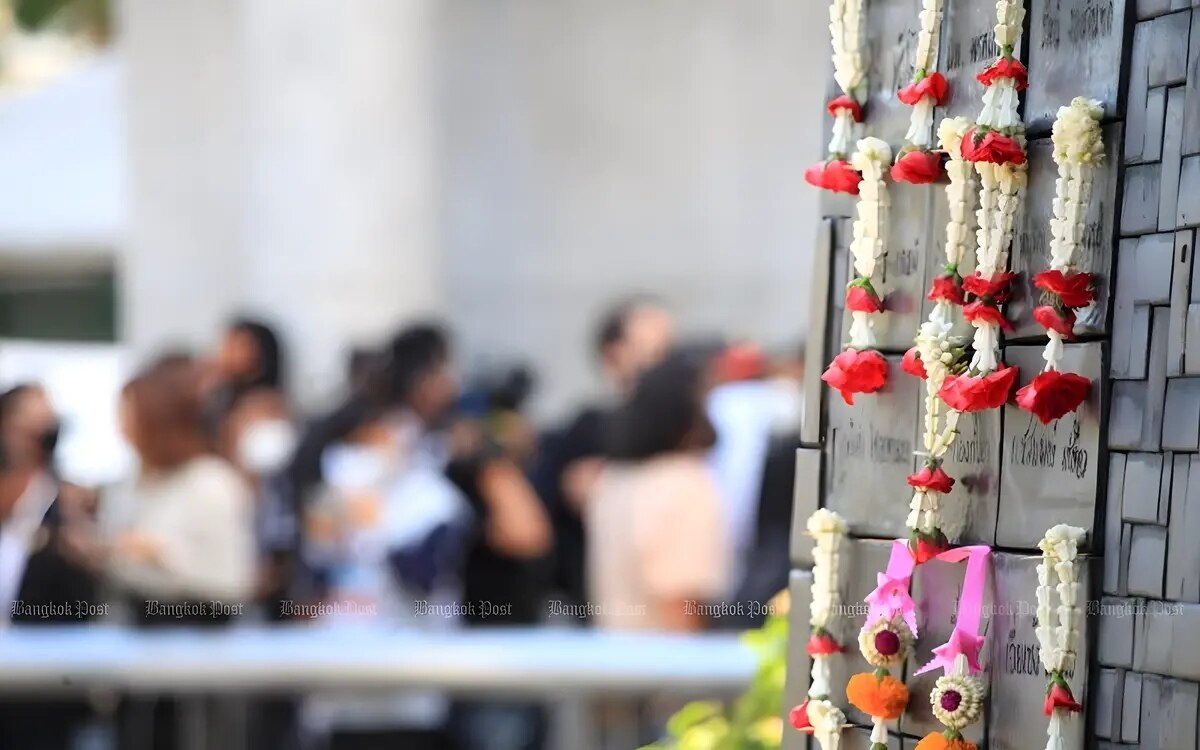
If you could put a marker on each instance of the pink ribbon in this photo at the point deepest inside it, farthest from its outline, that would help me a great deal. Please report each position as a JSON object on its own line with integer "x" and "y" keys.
{"x": 965, "y": 639}
{"x": 891, "y": 595}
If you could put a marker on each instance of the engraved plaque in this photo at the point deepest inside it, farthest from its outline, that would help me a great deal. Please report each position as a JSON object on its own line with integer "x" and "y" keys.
{"x": 1050, "y": 473}
{"x": 1031, "y": 241}
{"x": 974, "y": 462}
{"x": 1018, "y": 682}
{"x": 871, "y": 455}
{"x": 936, "y": 589}
{"x": 1074, "y": 50}
{"x": 967, "y": 47}
{"x": 891, "y": 28}
{"x": 862, "y": 560}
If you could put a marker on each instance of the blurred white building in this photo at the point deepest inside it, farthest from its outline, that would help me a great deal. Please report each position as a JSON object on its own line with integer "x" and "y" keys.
{"x": 339, "y": 166}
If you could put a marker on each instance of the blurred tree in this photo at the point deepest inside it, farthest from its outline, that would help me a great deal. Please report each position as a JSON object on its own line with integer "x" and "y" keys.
{"x": 90, "y": 18}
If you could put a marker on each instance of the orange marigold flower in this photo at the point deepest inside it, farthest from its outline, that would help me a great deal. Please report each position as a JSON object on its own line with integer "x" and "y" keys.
{"x": 877, "y": 696}
{"x": 938, "y": 741}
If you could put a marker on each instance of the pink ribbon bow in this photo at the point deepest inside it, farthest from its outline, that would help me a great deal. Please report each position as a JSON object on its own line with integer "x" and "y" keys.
{"x": 891, "y": 595}
{"x": 965, "y": 640}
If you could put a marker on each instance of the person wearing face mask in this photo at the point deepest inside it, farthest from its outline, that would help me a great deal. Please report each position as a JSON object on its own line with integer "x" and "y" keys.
{"x": 47, "y": 577}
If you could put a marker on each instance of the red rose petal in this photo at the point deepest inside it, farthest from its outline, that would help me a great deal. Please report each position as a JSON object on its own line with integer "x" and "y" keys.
{"x": 1053, "y": 394}
{"x": 855, "y": 371}
{"x": 918, "y": 167}
{"x": 912, "y": 364}
{"x": 1055, "y": 320}
{"x": 967, "y": 393}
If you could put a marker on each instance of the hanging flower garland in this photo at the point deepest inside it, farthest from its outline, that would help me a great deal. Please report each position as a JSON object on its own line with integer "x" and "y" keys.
{"x": 1058, "y": 575}
{"x": 818, "y": 716}
{"x": 1078, "y": 148}
{"x": 849, "y": 71}
{"x": 916, "y": 162}
{"x": 860, "y": 368}
{"x": 996, "y": 146}
{"x": 937, "y": 355}
{"x": 885, "y": 641}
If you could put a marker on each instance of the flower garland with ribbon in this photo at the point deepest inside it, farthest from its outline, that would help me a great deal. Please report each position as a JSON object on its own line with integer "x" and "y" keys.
{"x": 1078, "y": 148}
{"x": 937, "y": 355}
{"x": 916, "y": 162}
{"x": 885, "y": 641}
{"x": 860, "y": 368}
{"x": 818, "y": 715}
{"x": 957, "y": 696}
{"x": 1058, "y": 574}
{"x": 849, "y": 71}
{"x": 996, "y": 146}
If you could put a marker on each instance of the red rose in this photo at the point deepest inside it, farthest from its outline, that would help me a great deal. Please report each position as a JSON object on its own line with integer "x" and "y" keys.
{"x": 934, "y": 480}
{"x": 912, "y": 364}
{"x": 798, "y": 718}
{"x": 978, "y": 392}
{"x": 862, "y": 298}
{"x": 1053, "y": 394}
{"x": 1060, "y": 697}
{"x": 855, "y": 371}
{"x": 996, "y": 288}
{"x": 985, "y": 312}
{"x": 933, "y": 85}
{"x": 836, "y": 175}
{"x": 822, "y": 644}
{"x": 949, "y": 287}
{"x": 845, "y": 102}
{"x": 918, "y": 167}
{"x": 927, "y": 548}
{"x": 993, "y": 147}
{"x": 1053, "y": 320}
{"x": 1005, "y": 68}
{"x": 1074, "y": 289}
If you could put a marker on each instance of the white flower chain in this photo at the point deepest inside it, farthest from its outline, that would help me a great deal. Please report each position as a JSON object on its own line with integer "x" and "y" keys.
{"x": 1078, "y": 147}
{"x": 1009, "y": 16}
{"x": 920, "y": 123}
{"x": 827, "y": 530}
{"x": 961, "y": 187}
{"x": 999, "y": 197}
{"x": 869, "y": 243}
{"x": 1057, "y": 574}
{"x": 845, "y": 32}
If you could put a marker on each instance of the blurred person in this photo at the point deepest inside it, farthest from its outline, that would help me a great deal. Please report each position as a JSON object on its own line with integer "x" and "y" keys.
{"x": 249, "y": 357}
{"x": 46, "y": 575}
{"x": 390, "y": 530}
{"x": 181, "y": 545}
{"x": 633, "y": 335}
{"x": 657, "y": 541}
{"x": 507, "y": 576}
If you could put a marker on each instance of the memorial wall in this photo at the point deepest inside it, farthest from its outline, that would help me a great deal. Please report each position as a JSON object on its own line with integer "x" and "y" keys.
{"x": 1118, "y": 467}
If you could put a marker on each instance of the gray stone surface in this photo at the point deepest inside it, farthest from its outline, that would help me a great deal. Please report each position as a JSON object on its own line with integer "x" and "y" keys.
{"x": 1147, "y": 560}
{"x": 1181, "y": 278}
{"x": 1181, "y": 415}
{"x": 859, "y": 738}
{"x": 1131, "y": 339}
{"x": 1151, "y": 8}
{"x": 871, "y": 455}
{"x": 1115, "y": 636}
{"x": 1106, "y": 718}
{"x": 1150, "y": 727}
{"x": 967, "y": 47}
{"x": 1113, "y": 524}
{"x": 1031, "y": 241}
{"x": 1139, "y": 209}
{"x": 1145, "y": 266}
{"x": 1018, "y": 682}
{"x": 1168, "y": 49}
{"x": 1177, "y": 719}
{"x": 1074, "y": 46}
{"x": 1188, "y": 213}
{"x": 1168, "y": 640}
{"x": 1191, "y": 114}
{"x": 795, "y": 687}
{"x": 974, "y": 462}
{"x": 1183, "y": 533}
{"x": 1144, "y": 128}
{"x": 1191, "y": 340}
{"x": 1131, "y": 707}
{"x": 1143, "y": 472}
{"x": 806, "y": 499}
{"x": 816, "y": 345}
{"x": 1171, "y": 158}
{"x": 1051, "y": 472}
{"x": 1135, "y": 422}
{"x": 1164, "y": 489}
{"x": 1138, "y": 104}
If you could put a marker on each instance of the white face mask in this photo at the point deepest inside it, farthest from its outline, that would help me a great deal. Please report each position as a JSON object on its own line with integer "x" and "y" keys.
{"x": 265, "y": 446}
{"x": 351, "y": 467}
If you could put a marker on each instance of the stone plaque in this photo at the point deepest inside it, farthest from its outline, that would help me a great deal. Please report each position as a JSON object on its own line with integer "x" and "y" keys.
{"x": 1018, "y": 682}
{"x": 799, "y": 668}
{"x": 891, "y": 29}
{"x": 871, "y": 454}
{"x": 967, "y": 47}
{"x": 862, "y": 560}
{"x": 974, "y": 462}
{"x": 1074, "y": 50}
{"x": 936, "y": 588}
{"x": 1032, "y": 238}
{"x": 1051, "y": 472}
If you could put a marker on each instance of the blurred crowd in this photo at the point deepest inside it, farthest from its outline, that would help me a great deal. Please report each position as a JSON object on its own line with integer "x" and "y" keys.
{"x": 420, "y": 501}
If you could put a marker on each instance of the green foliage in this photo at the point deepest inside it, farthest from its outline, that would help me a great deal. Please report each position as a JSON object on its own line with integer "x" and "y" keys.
{"x": 90, "y": 17}
{"x": 753, "y": 721}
